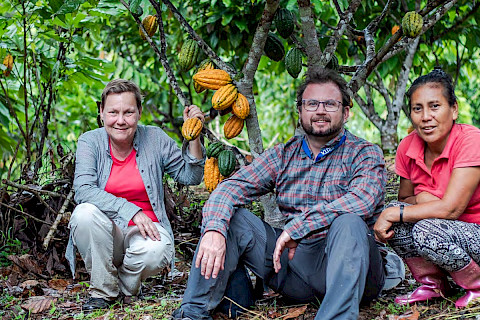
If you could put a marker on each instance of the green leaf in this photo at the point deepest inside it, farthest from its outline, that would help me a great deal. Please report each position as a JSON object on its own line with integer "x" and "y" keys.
{"x": 69, "y": 6}
{"x": 241, "y": 24}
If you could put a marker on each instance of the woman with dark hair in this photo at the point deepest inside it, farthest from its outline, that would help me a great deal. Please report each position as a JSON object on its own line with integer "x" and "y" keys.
{"x": 435, "y": 226}
{"x": 120, "y": 226}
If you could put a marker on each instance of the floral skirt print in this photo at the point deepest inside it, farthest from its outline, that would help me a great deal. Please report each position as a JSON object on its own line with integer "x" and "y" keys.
{"x": 450, "y": 244}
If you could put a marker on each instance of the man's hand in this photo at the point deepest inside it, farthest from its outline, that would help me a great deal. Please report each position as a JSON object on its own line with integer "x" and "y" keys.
{"x": 146, "y": 226}
{"x": 283, "y": 241}
{"x": 382, "y": 227}
{"x": 211, "y": 254}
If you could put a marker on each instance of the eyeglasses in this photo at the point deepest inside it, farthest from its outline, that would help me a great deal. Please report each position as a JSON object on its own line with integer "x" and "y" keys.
{"x": 329, "y": 105}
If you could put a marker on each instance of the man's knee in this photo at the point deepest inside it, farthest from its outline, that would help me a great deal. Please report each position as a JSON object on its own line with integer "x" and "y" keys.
{"x": 244, "y": 221}
{"x": 348, "y": 223}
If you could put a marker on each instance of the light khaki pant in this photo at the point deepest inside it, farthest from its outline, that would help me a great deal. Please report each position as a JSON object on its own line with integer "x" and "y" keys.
{"x": 116, "y": 261}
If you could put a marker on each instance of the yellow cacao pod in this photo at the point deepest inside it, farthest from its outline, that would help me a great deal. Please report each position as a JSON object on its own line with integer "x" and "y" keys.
{"x": 241, "y": 107}
{"x": 224, "y": 97}
{"x": 204, "y": 65}
{"x": 211, "y": 174}
{"x": 191, "y": 128}
{"x": 8, "y": 63}
{"x": 150, "y": 24}
{"x": 233, "y": 127}
{"x": 212, "y": 79}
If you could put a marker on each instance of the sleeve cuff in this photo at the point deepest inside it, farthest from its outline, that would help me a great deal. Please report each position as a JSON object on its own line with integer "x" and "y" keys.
{"x": 189, "y": 158}
{"x": 214, "y": 225}
{"x": 294, "y": 230}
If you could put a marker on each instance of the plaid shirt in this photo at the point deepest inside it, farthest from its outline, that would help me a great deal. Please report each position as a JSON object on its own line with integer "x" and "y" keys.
{"x": 310, "y": 193}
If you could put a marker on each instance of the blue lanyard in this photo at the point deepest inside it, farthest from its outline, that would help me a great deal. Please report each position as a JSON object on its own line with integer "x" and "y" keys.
{"x": 326, "y": 150}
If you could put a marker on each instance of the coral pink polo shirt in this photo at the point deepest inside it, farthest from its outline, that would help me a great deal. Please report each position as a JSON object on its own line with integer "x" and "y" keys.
{"x": 462, "y": 150}
{"x": 125, "y": 182}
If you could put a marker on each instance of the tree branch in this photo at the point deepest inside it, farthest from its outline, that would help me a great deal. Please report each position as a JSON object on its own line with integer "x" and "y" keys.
{"x": 59, "y": 217}
{"x": 161, "y": 53}
{"x": 367, "y": 67}
{"x": 369, "y": 111}
{"x": 456, "y": 25}
{"x": 205, "y": 47}
{"x": 314, "y": 53}
{"x": 339, "y": 31}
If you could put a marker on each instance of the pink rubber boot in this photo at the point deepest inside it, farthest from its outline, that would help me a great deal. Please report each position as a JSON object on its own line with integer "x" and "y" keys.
{"x": 433, "y": 279}
{"x": 468, "y": 278}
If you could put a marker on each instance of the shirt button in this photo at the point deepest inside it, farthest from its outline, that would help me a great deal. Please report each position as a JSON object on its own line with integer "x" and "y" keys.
{"x": 148, "y": 187}
{"x": 142, "y": 171}
{"x": 153, "y": 204}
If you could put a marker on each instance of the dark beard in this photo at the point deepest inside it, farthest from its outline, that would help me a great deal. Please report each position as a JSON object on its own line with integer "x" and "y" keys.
{"x": 333, "y": 130}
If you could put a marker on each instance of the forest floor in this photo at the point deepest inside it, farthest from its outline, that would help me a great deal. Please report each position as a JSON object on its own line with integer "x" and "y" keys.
{"x": 29, "y": 292}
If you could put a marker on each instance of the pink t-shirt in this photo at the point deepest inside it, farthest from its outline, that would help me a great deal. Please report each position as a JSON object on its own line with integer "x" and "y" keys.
{"x": 462, "y": 150}
{"x": 125, "y": 182}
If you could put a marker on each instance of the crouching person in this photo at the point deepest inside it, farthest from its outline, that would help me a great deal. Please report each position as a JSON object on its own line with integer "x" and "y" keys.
{"x": 329, "y": 185}
{"x": 120, "y": 226}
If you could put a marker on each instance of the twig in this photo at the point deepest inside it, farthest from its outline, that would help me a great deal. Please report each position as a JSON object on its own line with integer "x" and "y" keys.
{"x": 59, "y": 217}
{"x": 244, "y": 309}
{"x": 31, "y": 189}
{"x": 27, "y": 214}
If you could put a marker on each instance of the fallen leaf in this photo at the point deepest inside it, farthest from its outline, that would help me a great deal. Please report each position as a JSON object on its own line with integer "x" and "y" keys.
{"x": 38, "y": 304}
{"x": 295, "y": 312}
{"x": 58, "y": 284}
{"x": 272, "y": 314}
{"x": 28, "y": 284}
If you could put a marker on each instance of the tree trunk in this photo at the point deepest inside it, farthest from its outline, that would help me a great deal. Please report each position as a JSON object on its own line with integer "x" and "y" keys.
{"x": 389, "y": 138}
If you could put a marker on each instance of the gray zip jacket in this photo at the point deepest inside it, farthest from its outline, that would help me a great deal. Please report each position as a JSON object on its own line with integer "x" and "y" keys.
{"x": 157, "y": 154}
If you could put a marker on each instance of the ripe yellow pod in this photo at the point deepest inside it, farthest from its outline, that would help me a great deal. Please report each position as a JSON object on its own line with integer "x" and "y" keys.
{"x": 241, "y": 107}
{"x": 212, "y": 79}
{"x": 233, "y": 127}
{"x": 192, "y": 128}
{"x": 224, "y": 97}
{"x": 211, "y": 174}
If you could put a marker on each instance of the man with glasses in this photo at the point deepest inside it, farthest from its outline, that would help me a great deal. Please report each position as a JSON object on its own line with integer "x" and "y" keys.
{"x": 329, "y": 184}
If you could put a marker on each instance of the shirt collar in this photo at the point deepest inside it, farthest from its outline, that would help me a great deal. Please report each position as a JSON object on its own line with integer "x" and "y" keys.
{"x": 416, "y": 149}
{"x": 308, "y": 153}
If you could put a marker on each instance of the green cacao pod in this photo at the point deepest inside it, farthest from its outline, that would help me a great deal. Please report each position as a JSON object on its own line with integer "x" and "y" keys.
{"x": 333, "y": 63}
{"x": 285, "y": 23}
{"x": 274, "y": 47}
{"x": 214, "y": 149}
{"x": 352, "y": 50}
{"x": 226, "y": 162}
{"x": 293, "y": 61}
{"x": 412, "y": 24}
{"x": 188, "y": 54}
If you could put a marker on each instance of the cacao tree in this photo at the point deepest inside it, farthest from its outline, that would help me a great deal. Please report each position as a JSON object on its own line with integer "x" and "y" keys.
{"x": 354, "y": 22}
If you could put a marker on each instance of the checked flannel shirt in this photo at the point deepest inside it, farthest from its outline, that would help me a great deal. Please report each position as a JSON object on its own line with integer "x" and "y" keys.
{"x": 311, "y": 194}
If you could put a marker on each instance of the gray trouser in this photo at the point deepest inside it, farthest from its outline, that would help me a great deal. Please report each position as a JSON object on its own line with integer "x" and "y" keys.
{"x": 116, "y": 261}
{"x": 340, "y": 269}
